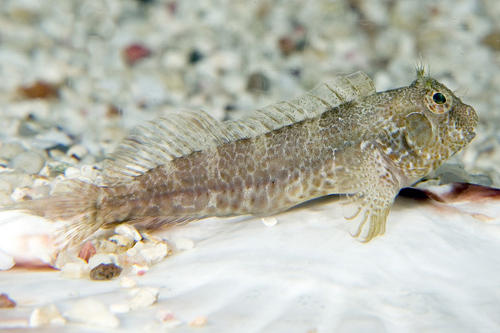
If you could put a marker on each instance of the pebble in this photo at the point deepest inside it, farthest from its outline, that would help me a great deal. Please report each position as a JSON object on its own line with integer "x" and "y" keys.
{"x": 6, "y": 261}
{"x": 39, "y": 89}
{"x": 129, "y": 231}
{"x": 10, "y": 150}
{"x": 152, "y": 252}
{"x": 52, "y": 139}
{"x": 258, "y": 82}
{"x": 139, "y": 270}
{"x": 87, "y": 251}
{"x": 6, "y": 302}
{"x": 143, "y": 297}
{"x": 195, "y": 56}
{"x": 92, "y": 312}
{"x": 77, "y": 151}
{"x": 135, "y": 52}
{"x": 127, "y": 282}
{"x": 30, "y": 162}
{"x": 72, "y": 173}
{"x": 167, "y": 319}
{"x": 286, "y": 45}
{"x": 269, "y": 221}
{"x": 74, "y": 270}
{"x": 105, "y": 272}
{"x": 122, "y": 241}
{"x": 47, "y": 315}
{"x": 101, "y": 258}
{"x": 199, "y": 321}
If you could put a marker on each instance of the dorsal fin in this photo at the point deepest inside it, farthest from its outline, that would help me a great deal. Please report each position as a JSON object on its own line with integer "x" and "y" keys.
{"x": 308, "y": 105}
{"x": 165, "y": 139}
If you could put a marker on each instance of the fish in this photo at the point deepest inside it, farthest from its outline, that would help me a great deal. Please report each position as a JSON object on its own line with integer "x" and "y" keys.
{"x": 342, "y": 137}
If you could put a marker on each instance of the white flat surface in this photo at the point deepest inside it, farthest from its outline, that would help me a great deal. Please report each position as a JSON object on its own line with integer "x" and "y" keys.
{"x": 435, "y": 269}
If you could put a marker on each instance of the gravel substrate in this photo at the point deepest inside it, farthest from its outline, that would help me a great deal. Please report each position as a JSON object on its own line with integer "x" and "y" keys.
{"x": 78, "y": 75}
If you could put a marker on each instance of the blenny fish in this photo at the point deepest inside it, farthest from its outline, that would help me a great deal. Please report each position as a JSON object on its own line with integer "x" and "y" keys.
{"x": 342, "y": 137}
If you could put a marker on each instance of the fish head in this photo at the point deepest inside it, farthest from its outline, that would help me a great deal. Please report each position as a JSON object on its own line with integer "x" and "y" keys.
{"x": 441, "y": 124}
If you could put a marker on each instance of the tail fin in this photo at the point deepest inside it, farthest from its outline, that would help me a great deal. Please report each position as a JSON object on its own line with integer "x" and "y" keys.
{"x": 78, "y": 208}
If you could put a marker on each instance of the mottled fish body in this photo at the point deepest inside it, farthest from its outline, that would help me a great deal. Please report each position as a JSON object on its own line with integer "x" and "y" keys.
{"x": 341, "y": 138}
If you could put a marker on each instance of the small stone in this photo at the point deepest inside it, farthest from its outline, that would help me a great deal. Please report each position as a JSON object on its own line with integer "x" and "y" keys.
{"x": 18, "y": 194}
{"x": 101, "y": 258}
{"x": 258, "y": 82}
{"x": 113, "y": 111}
{"x": 46, "y": 315}
{"x": 6, "y": 302}
{"x": 88, "y": 172}
{"x": 143, "y": 297}
{"x": 77, "y": 151}
{"x": 195, "y": 56}
{"x": 154, "y": 252}
{"x": 135, "y": 52}
{"x": 286, "y": 45}
{"x": 10, "y": 150}
{"x": 74, "y": 270}
{"x": 270, "y": 221}
{"x": 92, "y": 312}
{"x": 128, "y": 230}
{"x": 168, "y": 319}
{"x": 39, "y": 89}
{"x": 30, "y": 162}
{"x": 126, "y": 282}
{"x": 139, "y": 270}
{"x": 87, "y": 251}
{"x": 199, "y": 321}
{"x": 107, "y": 246}
{"x": 122, "y": 241}
{"x": 492, "y": 40}
{"x": 72, "y": 173}
{"x": 54, "y": 139}
{"x": 105, "y": 272}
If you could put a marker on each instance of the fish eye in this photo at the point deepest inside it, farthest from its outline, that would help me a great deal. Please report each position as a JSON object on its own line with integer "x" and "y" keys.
{"x": 439, "y": 98}
{"x": 438, "y": 102}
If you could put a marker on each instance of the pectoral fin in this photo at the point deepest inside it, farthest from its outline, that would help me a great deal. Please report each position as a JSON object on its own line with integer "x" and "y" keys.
{"x": 367, "y": 209}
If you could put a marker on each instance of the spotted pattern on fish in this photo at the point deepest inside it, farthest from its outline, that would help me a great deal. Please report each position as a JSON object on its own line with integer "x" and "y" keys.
{"x": 342, "y": 137}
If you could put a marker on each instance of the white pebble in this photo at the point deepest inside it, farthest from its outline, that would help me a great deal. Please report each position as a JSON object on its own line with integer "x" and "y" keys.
{"x": 72, "y": 172}
{"x": 74, "y": 270}
{"x": 143, "y": 297}
{"x": 269, "y": 222}
{"x": 78, "y": 151}
{"x": 167, "y": 318}
{"x": 18, "y": 194}
{"x": 128, "y": 230}
{"x": 101, "y": 258}
{"x": 126, "y": 282}
{"x": 88, "y": 172}
{"x": 92, "y": 312}
{"x": 139, "y": 269}
{"x": 199, "y": 321}
{"x": 10, "y": 150}
{"x": 121, "y": 240}
{"x": 45, "y": 316}
{"x": 154, "y": 253}
{"x": 6, "y": 261}
{"x": 184, "y": 244}
{"x": 30, "y": 162}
